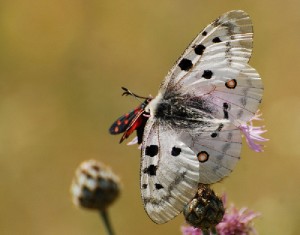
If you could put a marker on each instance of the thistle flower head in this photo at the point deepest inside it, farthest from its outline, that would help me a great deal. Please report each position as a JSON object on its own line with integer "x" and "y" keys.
{"x": 253, "y": 133}
{"x": 205, "y": 210}
{"x": 94, "y": 186}
{"x": 237, "y": 222}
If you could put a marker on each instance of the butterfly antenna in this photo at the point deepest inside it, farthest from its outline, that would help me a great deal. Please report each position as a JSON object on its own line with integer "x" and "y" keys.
{"x": 128, "y": 92}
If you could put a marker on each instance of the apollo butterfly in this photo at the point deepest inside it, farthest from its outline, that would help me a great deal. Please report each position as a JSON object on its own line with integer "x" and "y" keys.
{"x": 192, "y": 134}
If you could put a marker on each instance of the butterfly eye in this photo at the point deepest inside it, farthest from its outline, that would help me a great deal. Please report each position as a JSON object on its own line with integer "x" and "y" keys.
{"x": 202, "y": 156}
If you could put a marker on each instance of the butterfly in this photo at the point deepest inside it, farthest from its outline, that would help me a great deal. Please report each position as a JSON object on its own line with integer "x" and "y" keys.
{"x": 191, "y": 131}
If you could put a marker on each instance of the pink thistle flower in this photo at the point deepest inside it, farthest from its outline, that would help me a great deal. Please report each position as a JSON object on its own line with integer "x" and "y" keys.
{"x": 252, "y": 133}
{"x": 189, "y": 230}
{"x": 237, "y": 222}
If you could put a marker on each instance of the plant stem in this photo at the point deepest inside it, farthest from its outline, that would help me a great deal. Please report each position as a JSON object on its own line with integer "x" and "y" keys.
{"x": 205, "y": 232}
{"x": 107, "y": 224}
{"x": 214, "y": 231}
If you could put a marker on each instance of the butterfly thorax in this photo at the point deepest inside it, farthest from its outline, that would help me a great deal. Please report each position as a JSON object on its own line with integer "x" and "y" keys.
{"x": 182, "y": 111}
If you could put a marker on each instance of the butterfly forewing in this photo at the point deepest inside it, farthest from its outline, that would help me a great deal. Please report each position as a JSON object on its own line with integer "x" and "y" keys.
{"x": 231, "y": 31}
{"x": 169, "y": 172}
{"x": 215, "y": 69}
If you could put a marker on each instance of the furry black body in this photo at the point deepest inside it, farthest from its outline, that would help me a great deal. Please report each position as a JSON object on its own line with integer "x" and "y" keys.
{"x": 184, "y": 111}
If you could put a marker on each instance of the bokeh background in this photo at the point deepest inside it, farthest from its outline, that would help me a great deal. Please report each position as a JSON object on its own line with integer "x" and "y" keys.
{"x": 62, "y": 64}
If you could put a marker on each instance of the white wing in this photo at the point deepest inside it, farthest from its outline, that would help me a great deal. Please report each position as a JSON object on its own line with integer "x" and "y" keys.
{"x": 174, "y": 161}
{"x": 169, "y": 174}
{"x": 215, "y": 68}
{"x": 208, "y": 93}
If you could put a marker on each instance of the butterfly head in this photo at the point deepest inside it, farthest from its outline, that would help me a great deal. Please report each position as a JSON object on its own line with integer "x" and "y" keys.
{"x": 152, "y": 104}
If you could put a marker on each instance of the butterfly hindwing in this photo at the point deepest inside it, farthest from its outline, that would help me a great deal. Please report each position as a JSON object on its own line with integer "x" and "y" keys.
{"x": 241, "y": 94}
{"x": 217, "y": 151}
{"x": 174, "y": 161}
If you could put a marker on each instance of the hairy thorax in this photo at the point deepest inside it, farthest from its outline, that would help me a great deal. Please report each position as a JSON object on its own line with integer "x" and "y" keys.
{"x": 182, "y": 111}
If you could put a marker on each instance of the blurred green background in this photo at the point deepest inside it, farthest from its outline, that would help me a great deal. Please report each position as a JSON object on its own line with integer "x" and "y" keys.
{"x": 62, "y": 64}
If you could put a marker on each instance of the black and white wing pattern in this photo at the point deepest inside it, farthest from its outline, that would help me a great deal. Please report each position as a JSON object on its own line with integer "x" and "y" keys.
{"x": 215, "y": 68}
{"x": 174, "y": 161}
{"x": 165, "y": 190}
{"x": 192, "y": 135}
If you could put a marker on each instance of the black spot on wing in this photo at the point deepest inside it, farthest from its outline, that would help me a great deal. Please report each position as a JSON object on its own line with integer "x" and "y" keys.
{"x": 199, "y": 49}
{"x": 225, "y": 110}
{"x": 216, "y": 40}
{"x": 204, "y": 33}
{"x": 180, "y": 177}
{"x": 175, "y": 151}
{"x": 207, "y": 74}
{"x": 185, "y": 64}
{"x": 158, "y": 186}
{"x": 151, "y": 150}
{"x": 150, "y": 170}
{"x": 144, "y": 186}
{"x": 214, "y": 135}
